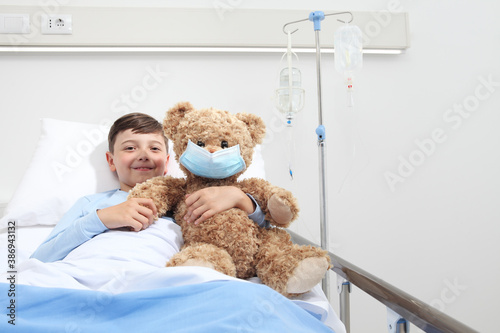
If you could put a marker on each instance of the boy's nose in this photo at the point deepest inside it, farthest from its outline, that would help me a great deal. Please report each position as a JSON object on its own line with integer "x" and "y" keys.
{"x": 143, "y": 156}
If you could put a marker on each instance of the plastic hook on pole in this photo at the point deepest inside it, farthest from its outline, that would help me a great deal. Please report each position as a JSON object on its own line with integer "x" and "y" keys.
{"x": 316, "y": 17}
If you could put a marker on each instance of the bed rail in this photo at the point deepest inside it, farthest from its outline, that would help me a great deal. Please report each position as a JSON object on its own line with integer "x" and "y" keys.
{"x": 408, "y": 307}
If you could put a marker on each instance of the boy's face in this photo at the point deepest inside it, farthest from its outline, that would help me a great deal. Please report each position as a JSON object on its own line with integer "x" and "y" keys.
{"x": 137, "y": 158}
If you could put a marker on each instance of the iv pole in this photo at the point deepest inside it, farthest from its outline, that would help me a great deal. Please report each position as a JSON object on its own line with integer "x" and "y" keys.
{"x": 316, "y": 17}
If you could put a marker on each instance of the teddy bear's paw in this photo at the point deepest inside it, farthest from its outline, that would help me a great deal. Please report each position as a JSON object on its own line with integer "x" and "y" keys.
{"x": 204, "y": 255}
{"x": 197, "y": 262}
{"x": 182, "y": 260}
{"x": 280, "y": 212}
{"x": 306, "y": 275}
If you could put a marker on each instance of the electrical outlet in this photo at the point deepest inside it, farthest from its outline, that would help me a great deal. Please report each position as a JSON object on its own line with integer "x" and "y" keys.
{"x": 58, "y": 24}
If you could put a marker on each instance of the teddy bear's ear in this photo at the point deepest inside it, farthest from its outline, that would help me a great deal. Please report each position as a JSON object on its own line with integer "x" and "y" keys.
{"x": 255, "y": 125}
{"x": 174, "y": 116}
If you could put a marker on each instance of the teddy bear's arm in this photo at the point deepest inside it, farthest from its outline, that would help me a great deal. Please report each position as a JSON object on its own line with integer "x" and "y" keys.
{"x": 279, "y": 205}
{"x": 165, "y": 191}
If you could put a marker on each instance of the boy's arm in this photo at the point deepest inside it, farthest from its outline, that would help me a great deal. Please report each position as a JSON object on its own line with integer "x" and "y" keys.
{"x": 84, "y": 221}
{"x": 75, "y": 228}
{"x": 209, "y": 201}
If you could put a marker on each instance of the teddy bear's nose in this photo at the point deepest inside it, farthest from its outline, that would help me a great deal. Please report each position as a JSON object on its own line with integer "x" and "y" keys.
{"x": 212, "y": 150}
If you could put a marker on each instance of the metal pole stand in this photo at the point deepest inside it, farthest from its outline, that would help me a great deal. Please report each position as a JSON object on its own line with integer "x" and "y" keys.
{"x": 316, "y": 17}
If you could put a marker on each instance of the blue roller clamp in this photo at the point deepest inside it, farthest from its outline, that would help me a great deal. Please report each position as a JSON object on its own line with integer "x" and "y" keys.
{"x": 320, "y": 131}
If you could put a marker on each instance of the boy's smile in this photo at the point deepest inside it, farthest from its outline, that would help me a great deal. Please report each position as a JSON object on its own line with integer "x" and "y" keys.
{"x": 143, "y": 168}
{"x": 137, "y": 157}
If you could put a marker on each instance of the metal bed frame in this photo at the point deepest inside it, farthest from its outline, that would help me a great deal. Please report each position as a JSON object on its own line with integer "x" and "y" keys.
{"x": 402, "y": 306}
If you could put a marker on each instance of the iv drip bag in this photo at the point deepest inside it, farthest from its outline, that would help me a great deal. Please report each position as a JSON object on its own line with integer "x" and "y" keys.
{"x": 290, "y": 95}
{"x": 348, "y": 46}
{"x": 289, "y": 99}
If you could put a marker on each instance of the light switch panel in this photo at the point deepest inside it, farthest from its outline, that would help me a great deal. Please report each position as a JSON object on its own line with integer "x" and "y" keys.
{"x": 15, "y": 23}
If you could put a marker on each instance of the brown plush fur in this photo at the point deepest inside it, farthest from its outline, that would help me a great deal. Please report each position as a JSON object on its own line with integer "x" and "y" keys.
{"x": 230, "y": 242}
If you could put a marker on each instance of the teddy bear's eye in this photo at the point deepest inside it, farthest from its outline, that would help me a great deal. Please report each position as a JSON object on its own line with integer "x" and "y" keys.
{"x": 224, "y": 144}
{"x": 201, "y": 143}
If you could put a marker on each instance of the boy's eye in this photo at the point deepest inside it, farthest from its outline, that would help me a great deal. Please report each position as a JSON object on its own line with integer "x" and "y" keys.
{"x": 201, "y": 143}
{"x": 224, "y": 144}
{"x": 129, "y": 148}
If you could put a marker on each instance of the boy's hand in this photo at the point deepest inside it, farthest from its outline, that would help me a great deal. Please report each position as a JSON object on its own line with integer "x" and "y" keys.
{"x": 209, "y": 201}
{"x": 137, "y": 214}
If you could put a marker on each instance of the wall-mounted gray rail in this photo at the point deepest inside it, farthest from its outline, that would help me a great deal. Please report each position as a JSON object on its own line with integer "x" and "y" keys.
{"x": 215, "y": 28}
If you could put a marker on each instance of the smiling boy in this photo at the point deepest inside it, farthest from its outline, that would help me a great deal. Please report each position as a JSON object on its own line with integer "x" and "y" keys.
{"x": 137, "y": 152}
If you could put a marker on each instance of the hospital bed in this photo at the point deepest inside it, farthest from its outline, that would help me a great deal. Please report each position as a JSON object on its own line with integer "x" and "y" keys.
{"x": 190, "y": 299}
{"x": 69, "y": 162}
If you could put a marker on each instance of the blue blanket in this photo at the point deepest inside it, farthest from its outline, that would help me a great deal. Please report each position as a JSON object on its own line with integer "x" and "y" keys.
{"x": 218, "y": 306}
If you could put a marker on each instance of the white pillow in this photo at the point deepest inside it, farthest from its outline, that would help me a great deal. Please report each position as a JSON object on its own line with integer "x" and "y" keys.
{"x": 70, "y": 162}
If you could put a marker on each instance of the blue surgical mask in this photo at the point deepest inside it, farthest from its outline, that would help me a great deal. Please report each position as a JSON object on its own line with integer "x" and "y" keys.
{"x": 219, "y": 165}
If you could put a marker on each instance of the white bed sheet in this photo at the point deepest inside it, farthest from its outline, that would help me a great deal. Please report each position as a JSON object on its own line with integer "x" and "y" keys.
{"x": 74, "y": 272}
{"x": 27, "y": 239}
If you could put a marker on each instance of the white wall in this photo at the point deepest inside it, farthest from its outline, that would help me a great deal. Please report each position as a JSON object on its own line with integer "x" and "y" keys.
{"x": 433, "y": 235}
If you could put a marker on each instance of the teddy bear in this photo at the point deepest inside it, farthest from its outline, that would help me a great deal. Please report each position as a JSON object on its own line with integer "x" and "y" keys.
{"x": 230, "y": 242}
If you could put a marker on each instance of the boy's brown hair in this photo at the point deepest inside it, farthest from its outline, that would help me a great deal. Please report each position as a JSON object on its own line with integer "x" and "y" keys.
{"x": 139, "y": 123}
